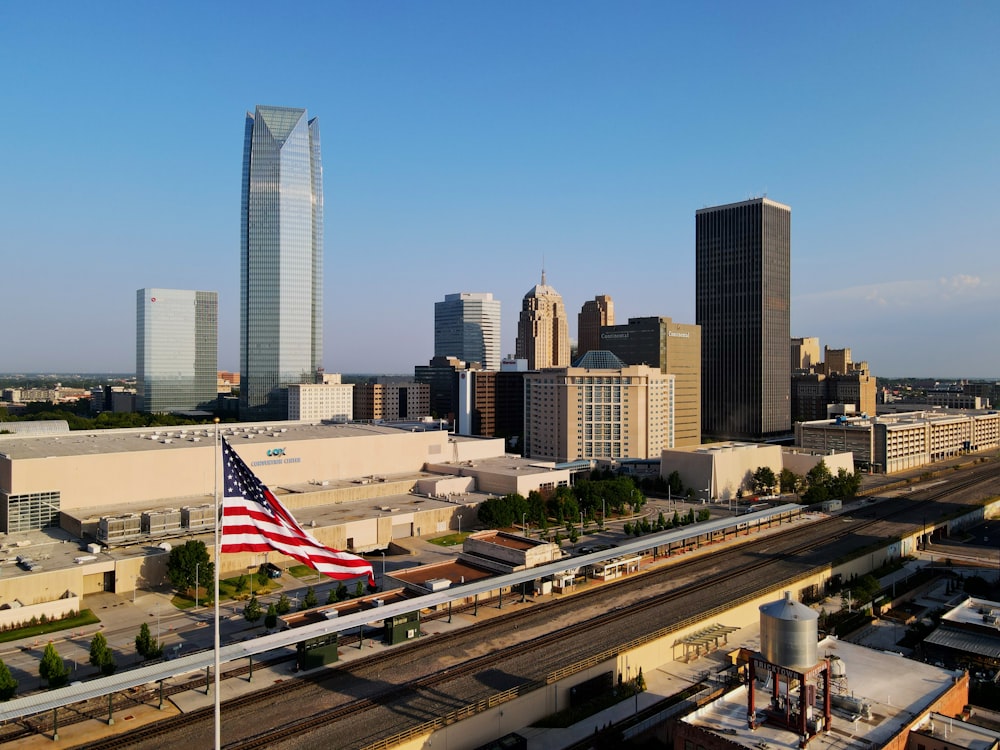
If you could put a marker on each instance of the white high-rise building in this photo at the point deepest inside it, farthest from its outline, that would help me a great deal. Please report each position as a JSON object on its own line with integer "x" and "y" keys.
{"x": 467, "y": 326}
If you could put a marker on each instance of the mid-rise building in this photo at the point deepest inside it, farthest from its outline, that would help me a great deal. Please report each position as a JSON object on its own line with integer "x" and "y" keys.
{"x": 312, "y": 402}
{"x": 281, "y": 259}
{"x": 837, "y": 383}
{"x": 594, "y": 314}
{"x": 467, "y": 326}
{"x": 491, "y": 404}
{"x": 600, "y": 409}
{"x": 377, "y": 401}
{"x": 676, "y": 349}
{"x": 742, "y": 299}
{"x": 176, "y": 349}
{"x": 542, "y": 329}
{"x": 441, "y": 376}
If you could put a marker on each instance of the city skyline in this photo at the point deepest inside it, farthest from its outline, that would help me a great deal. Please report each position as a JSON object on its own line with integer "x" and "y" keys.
{"x": 471, "y": 145}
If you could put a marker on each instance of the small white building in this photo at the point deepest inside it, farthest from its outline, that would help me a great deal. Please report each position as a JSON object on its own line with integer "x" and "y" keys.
{"x": 310, "y": 402}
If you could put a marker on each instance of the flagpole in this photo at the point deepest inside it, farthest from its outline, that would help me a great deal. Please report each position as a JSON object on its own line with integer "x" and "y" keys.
{"x": 218, "y": 561}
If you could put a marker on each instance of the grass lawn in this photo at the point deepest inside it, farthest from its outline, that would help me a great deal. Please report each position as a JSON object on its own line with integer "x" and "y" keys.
{"x": 86, "y": 617}
{"x": 450, "y": 540}
{"x": 227, "y": 591}
{"x": 302, "y": 571}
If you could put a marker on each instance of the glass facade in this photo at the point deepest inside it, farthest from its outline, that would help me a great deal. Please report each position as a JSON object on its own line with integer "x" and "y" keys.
{"x": 176, "y": 349}
{"x": 467, "y": 326}
{"x": 742, "y": 300}
{"x": 281, "y": 265}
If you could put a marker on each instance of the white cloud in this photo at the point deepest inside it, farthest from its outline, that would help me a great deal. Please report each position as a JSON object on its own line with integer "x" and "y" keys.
{"x": 925, "y": 294}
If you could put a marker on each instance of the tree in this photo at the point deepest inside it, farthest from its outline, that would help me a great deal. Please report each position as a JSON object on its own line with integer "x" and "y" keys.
{"x": 8, "y": 685}
{"x": 359, "y": 589}
{"x": 101, "y": 656}
{"x": 241, "y": 583}
{"x": 309, "y": 600}
{"x": 271, "y": 618}
{"x": 52, "y": 667}
{"x": 331, "y": 597}
{"x": 252, "y": 611}
{"x": 184, "y": 561}
{"x": 764, "y": 479}
{"x": 788, "y": 480}
{"x": 284, "y": 606}
{"x": 341, "y": 592}
{"x": 147, "y": 646}
{"x": 98, "y": 647}
{"x": 675, "y": 484}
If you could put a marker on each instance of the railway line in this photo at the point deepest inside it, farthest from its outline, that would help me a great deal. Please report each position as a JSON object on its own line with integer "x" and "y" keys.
{"x": 441, "y": 679}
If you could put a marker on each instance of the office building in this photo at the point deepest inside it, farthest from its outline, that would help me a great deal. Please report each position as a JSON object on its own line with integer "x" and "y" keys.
{"x": 441, "y": 376}
{"x": 467, "y": 326}
{"x": 742, "y": 298}
{"x": 491, "y": 404}
{"x": 676, "y": 349}
{"x": 805, "y": 353}
{"x": 542, "y": 329}
{"x": 595, "y": 313}
{"x": 330, "y": 400}
{"x": 176, "y": 349}
{"x": 377, "y": 401}
{"x": 281, "y": 259}
{"x": 601, "y": 408}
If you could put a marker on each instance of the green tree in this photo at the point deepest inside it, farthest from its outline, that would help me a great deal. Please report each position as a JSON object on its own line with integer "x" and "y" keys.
{"x": 309, "y": 600}
{"x": 284, "y": 606}
{"x": 788, "y": 481}
{"x": 8, "y": 685}
{"x": 331, "y": 597}
{"x": 101, "y": 655}
{"x": 252, "y": 611}
{"x": 359, "y": 589}
{"x": 764, "y": 479}
{"x": 186, "y": 560}
{"x": 675, "y": 484}
{"x": 241, "y": 583}
{"x": 52, "y": 668}
{"x": 341, "y": 592}
{"x": 147, "y": 646}
{"x": 271, "y": 618}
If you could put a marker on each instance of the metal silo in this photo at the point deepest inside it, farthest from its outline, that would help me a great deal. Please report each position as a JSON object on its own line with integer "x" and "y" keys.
{"x": 788, "y": 633}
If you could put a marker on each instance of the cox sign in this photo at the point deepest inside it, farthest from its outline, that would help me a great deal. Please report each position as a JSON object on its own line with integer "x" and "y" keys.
{"x": 275, "y": 451}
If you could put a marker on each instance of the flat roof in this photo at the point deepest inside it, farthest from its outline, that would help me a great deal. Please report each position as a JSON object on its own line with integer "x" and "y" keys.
{"x": 505, "y": 465}
{"x": 132, "y": 440}
{"x": 897, "y": 689}
{"x": 973, "y": 611}
{"x": 511, "y": 541}
{"x": 457, "y": 571}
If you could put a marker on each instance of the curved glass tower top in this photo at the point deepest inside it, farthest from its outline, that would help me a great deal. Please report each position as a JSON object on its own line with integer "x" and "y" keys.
{"x": 281, "y": 258}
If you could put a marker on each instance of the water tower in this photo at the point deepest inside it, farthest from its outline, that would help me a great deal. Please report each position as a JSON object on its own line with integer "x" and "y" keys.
{"x": 788, "y": 662}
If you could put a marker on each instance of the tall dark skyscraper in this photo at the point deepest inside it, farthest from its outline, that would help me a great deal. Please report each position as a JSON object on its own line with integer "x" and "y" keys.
{"x": 281, "y": 259}
{"x": 743, "y": 288}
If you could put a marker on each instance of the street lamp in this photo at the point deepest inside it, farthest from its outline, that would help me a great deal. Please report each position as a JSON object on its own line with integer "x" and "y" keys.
{"x": 460, "y": 524}
{"x": 196, "y": 585}
{"x": 604, "y": 514}
{"x": 383, "y": 568}
{"x": 708, "y": 494}
{"x": 581, "y": 521}
{"x": 524, "y": 525}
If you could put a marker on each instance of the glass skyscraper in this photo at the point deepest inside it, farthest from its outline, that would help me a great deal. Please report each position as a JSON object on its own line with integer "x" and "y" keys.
{"x": 176, "y": 350}
{"x": 281, "y": 263}
{"x": 467, "y": 326}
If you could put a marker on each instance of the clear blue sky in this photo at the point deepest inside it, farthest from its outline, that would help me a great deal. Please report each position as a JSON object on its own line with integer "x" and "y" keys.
{"x": 465, "y": 142}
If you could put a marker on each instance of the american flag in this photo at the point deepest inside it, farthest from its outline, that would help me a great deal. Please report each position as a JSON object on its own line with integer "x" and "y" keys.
{"x": 254, "y": 521}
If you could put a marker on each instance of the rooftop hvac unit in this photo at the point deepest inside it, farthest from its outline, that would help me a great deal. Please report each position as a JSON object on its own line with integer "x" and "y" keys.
{"x": 438, "y": 584}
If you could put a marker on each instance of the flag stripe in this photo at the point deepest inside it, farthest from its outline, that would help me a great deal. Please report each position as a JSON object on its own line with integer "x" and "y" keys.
{"x": 254, "y": 520}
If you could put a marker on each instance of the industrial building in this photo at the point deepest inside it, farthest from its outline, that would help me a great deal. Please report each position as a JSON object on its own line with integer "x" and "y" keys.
{"x": 891, "y": 443}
